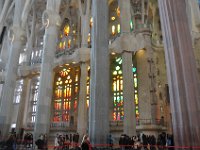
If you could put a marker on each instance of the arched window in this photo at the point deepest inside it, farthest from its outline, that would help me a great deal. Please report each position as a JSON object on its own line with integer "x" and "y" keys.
{"x": 66, "y": 92}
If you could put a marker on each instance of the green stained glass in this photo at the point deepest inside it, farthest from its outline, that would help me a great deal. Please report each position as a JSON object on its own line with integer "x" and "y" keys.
{"x": 120, "y": 62}
{"x": 134, "y": 69}
{"x": 131, "y": 25}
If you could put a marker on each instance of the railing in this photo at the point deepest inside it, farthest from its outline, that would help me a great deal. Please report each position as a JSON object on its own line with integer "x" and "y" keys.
{"x": 141, "y": 122}
{"x": 159, "y": 122}
{"x": 53, "y": 125}
{"x": 68, "y": 52}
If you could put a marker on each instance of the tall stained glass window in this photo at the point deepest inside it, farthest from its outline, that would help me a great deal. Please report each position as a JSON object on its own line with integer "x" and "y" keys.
{"x": 66, "y": 92}
{"x": 135, "y": 84}
{"x": 18, "y": 91}
{"x": 88, "y": 87}
{"x": 117, "y": 88}
{"x": 34, "y": 97}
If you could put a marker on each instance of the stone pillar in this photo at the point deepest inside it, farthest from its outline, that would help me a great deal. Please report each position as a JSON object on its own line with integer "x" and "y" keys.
{"x": 143, "y": 85}
{"x": 125, "y": 15}
{"x": 52, "y": 21}
{"x": 182, "y": 73}
{"x": 22, "y": 105}
{"x": 129, "y": 103}
{"x": 82, "y": 104}
{"x": 152, "y": 77}
{"x": 18, "y": 39}
{"x": 100, "y": 74}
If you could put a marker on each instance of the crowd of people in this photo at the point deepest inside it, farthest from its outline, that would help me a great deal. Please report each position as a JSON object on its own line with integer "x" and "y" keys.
{"x": 64, "y": 142}
{"x": 147, "y": 142}
{"x": 71, "y": 141}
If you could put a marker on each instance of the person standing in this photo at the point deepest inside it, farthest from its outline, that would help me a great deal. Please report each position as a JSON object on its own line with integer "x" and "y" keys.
{"x": 85, "y": 144}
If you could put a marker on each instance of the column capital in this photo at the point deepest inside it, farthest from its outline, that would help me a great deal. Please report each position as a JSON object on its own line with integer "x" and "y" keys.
{"x": 16, "y": 33}
{"x": 51, "y": 18}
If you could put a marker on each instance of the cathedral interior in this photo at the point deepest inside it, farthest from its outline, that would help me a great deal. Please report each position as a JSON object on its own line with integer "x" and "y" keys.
{"x": 100, "y": 67}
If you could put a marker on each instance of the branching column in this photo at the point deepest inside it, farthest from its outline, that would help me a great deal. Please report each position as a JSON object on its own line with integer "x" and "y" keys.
{"x": 52, "y": 21}
{"x": 18, "y": 38}
{"x": 82, "y": 105}
{"x": 182, "y": 73}
{"x": 100, "y": 73}
{"x": 129, "y": 122}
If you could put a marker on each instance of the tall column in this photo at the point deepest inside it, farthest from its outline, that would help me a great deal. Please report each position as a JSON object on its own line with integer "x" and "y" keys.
{"x": 125, "y": 15}
{"x": 129, "y": 103}
{"x": 22, "y": 105}
{"x": 85, "y": 20}
{"x": 18, "y": 39}
{"x": 82, "y": 104}
{"x": 181, "y": 71}
{"x": 51, "y": 19}
{"x": 100, "y": 74}
{"x": 143, "y": 84}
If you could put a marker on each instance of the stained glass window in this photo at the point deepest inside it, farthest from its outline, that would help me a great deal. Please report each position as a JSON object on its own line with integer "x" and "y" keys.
{"x": 88, "y": 88}
{"x": 34, "y": 97}
{"x": 135, "y": 83}
{"x": 66, "y": 92}
{"x": 18, "y": 91}
{"x": 117, "y": 88}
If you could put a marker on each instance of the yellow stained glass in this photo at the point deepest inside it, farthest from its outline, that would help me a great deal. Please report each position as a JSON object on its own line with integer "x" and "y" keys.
{"x": 113, "y": 29}
{"x": 66, "y": 30}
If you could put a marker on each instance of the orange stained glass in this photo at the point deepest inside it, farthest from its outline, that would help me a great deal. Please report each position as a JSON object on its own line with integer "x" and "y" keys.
{"x": 76, "y": 89}
{"x": 69, "y": 43}
{"x": 64, "y": 45}
{"x": 75, "y": 104}
{"x": 65, "y": 117}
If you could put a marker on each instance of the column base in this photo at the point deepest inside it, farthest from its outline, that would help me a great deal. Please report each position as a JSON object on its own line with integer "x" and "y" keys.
{"x": 5, "y": 128}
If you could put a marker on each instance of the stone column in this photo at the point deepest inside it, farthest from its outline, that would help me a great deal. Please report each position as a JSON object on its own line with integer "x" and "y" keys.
{"x": 82, "y": 104}
{"x": 182, "y": 73}
{"x": 152, "y": 77}
{"x": 52, "y": 21}
{"x": 22, "y": 105}
{"x": 18, "y": 38}
{"x": 129, "y": 103}
{"x": 100, "y": 74}
{"x": 125, "y": 15}
{"x": 143, "y": 85}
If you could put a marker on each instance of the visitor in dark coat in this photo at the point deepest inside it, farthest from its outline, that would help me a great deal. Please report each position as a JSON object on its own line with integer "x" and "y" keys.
{"x": 40, "y": 143}
{"x": 85, "y": 144}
